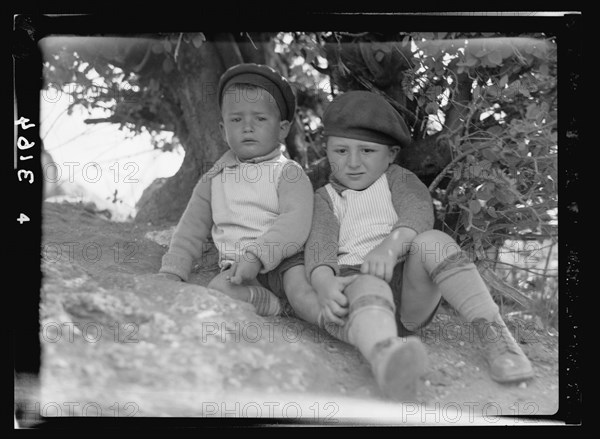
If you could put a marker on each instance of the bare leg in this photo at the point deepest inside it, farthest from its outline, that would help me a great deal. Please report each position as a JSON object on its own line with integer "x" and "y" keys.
{"x": 420, "y": 295}
{"x": 436, "y": 266}
{"x": 301, "y": 295}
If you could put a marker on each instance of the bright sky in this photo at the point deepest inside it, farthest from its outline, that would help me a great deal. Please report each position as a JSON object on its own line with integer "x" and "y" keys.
{"x": 99, "y": 159}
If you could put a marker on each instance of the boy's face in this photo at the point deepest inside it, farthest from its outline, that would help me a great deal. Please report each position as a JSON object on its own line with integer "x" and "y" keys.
{"x": 252, "y": 125}
{"x": 357, "y": 164}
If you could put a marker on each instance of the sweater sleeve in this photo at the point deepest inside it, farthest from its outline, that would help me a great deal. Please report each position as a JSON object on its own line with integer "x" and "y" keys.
{"x": 191, "y": 232}
{"x": 322, "y": 245}
{"x": 291, "y": 228}
{"x": 411, "y": 200}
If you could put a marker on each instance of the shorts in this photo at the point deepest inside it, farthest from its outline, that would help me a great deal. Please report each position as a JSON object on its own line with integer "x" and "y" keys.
{"x": 273, "y": 280}
{"x": 396, "y": 286}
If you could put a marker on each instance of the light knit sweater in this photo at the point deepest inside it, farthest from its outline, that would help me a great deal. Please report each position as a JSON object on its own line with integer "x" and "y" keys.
{"x": 263, "y": 206}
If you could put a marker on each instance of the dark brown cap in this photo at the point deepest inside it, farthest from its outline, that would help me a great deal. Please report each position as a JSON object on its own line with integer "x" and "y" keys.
{"x": 264, "y": 77}
{"x": 364, "y": 115}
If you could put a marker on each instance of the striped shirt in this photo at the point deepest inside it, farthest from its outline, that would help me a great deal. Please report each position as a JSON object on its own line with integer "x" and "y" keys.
{"x": 366, "y": 218}
{"x": 347, "y": 224}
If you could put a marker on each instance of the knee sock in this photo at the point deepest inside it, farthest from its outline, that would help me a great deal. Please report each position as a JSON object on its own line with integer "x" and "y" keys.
{"x": 462, "y": 286}
{"x": 265, "y": 302}
{"x": 371, "y": 319}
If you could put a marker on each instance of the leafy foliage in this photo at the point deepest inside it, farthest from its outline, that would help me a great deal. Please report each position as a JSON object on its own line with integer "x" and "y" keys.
{"x": 128, "y": 80}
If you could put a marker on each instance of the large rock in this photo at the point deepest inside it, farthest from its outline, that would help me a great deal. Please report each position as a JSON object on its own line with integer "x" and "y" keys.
{"x": 115, "y": 338}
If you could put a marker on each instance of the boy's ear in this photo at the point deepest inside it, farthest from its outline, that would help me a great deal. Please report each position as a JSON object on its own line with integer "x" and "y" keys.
{"x": 394, "y": 150}
{"x": 284, "y": 129}
{"x": 222, "y": 129}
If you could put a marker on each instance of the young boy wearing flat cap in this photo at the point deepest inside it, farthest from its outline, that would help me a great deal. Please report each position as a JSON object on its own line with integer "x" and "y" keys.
{"x": 378, "y": 267}
{"x": 254, "y": 202}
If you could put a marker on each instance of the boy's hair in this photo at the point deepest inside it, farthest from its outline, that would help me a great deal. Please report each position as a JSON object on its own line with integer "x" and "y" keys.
{"x": 265, "y": 78}
{"x": 367, "y": 116}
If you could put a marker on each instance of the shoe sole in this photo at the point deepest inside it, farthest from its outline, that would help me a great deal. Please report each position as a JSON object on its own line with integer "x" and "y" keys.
{"x": 515, "y": 378}
{"x": 404, "y": 368}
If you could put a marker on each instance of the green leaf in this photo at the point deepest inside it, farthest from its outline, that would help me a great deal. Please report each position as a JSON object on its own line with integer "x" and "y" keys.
{"x": 379, "y": 56}
{"x": 474, "y": 207}
{"x": 504, "y": 195}
{"x": 495, "y": 130}
{"x": 503, "y": 81}
{"x": 475, "y": 170}
{"x": 544, "y": 69}
{"x": 489, "y": 155}
{"x": 485, "y": 191}
{"x": 431, "y": 108}
{"x": 492, "y": 91}
{"x": 492, "y": 212}
{"x": 532, "y": 111}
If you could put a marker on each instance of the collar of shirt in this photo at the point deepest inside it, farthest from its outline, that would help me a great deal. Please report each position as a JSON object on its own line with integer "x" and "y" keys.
{"x": 230, "y": 160}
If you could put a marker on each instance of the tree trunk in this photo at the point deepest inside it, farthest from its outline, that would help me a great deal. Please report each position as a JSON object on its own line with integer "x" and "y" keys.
{"x": 196, "y": 91}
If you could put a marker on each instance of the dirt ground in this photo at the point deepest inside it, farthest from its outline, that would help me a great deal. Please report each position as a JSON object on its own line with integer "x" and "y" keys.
{"x": 117, "y": 341}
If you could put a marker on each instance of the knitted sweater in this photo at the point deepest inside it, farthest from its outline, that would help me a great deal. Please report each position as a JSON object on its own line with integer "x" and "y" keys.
{"x": 263, "y": 207}
{"x": 410, "y": 199}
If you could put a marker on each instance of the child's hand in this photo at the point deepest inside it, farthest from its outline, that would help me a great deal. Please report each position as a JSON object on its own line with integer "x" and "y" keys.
{"x": 244, "y": 271}
{"x": 333, "y": 301}
{"x": 380, "y": 262}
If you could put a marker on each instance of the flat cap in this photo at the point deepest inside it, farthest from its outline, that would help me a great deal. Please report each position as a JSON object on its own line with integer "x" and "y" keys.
{"x": 265, "y": 77}
{"x": 367, "y": 116}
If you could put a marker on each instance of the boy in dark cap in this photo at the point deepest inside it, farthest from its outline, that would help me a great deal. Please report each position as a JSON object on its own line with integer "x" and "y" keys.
{"x": 255, "y": 203}
{"x": 378, "y": 267}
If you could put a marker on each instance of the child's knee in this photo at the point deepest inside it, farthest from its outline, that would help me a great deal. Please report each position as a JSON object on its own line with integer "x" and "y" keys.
{"x": 435, "y": 243}
{"x": 366, "y": 284}
{"x": 369, "y": 293}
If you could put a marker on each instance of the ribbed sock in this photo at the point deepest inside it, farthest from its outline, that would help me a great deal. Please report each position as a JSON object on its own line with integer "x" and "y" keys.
{"x": 462, "y": 286}
{"x": 371, "y": 319}
{"x": 265, "y": 302}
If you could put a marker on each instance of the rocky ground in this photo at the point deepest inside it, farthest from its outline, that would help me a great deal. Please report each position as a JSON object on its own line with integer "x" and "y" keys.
{"x": 117, "y": 341}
